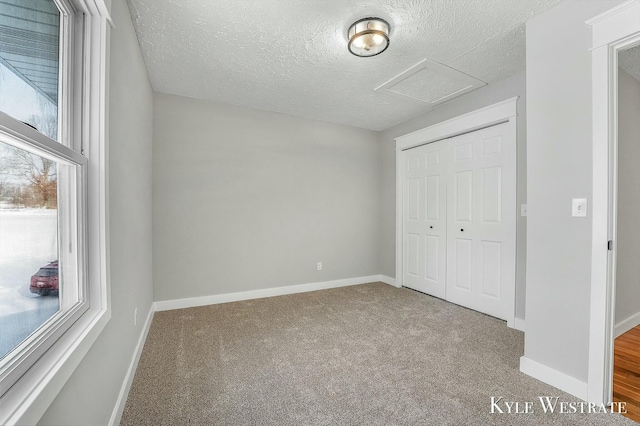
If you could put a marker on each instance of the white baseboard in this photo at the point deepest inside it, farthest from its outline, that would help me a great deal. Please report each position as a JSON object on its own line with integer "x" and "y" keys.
{"x": 388, "y": 280}
{"x": 627, "y": 324}
{"x": 167, "y": 305}
{"x": 554, "y": 378}
{"x": 116, "y": 415}
{"x": 518, "y": 324}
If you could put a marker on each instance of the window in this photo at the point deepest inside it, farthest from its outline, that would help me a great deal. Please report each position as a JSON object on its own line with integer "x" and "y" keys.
{"x": 53, "y": 263}
{"x": 41, "y": 186}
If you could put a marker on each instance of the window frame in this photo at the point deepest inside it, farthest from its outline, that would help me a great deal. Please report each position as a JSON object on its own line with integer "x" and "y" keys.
{"x": 71, "y": 229}
{"x": 82, "y": 132}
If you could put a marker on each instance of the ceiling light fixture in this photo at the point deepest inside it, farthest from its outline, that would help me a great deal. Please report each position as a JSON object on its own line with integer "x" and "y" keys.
{"x": 368, "y": 37}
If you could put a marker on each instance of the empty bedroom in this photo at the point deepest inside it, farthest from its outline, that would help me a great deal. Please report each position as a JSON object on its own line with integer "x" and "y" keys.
{"x": 361, "y": 212}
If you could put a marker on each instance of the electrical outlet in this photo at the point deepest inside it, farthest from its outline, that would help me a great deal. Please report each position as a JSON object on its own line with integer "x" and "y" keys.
{"x": 319, "y": 266}
{"x": 135, "y": 316}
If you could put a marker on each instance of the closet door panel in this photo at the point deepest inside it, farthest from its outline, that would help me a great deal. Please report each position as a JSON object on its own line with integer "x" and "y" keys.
{"x": 481, "y": 219}
{"x": 424, "y": 219}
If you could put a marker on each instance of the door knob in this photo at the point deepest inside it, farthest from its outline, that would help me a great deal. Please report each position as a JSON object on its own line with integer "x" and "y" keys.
{"x": 462, "y": 229}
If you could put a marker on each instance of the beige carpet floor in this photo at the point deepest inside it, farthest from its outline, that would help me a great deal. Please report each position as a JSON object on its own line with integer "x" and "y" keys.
{"x": 362, "y": 355}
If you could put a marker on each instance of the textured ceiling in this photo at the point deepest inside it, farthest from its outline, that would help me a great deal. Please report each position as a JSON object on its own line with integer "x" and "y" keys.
{"x": 291, "y": 56}
{"x": 629, "y": 60}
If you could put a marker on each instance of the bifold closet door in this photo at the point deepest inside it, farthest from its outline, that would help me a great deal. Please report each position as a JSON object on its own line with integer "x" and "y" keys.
{"x": 481, "y": 221}
{"x": 424, "y": 239}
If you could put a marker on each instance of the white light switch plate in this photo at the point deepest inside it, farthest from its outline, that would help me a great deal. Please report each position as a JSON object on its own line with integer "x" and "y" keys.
{"x": 523, "y": 210}
{"x": 579, "y": 207}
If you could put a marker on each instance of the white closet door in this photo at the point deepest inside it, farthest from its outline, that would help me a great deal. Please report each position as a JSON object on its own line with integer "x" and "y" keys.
{"x": 425, "y": 219}
{"x": 481, "y": 221}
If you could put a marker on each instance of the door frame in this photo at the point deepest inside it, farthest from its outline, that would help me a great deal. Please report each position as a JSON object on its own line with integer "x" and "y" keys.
{"x": 613, "y": 30}
{"x": 498, "y": 113}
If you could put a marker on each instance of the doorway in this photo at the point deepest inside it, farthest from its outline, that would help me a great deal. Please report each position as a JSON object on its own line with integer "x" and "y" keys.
{"x": 626, "y": 359}
{"x": 614, "y": 30}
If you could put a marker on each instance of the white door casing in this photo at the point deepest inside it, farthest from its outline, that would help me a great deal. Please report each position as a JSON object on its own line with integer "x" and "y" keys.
{"x": 502, "y": 112}
{"x": 424, "y": 218}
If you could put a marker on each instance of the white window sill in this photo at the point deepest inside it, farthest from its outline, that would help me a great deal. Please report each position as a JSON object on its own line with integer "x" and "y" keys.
{"x": 28, "y": 399}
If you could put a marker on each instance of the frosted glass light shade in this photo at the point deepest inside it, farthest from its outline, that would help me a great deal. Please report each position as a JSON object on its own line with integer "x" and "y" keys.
{"x": 368, "y": 37}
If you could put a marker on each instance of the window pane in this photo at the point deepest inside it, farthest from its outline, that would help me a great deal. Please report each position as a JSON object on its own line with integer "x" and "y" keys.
{"x": 30, "y": 281}
{"x": 29, "y": 62}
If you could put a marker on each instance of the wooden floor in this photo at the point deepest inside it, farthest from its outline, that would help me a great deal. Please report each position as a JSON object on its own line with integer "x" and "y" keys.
{"x": 626, "y": 372}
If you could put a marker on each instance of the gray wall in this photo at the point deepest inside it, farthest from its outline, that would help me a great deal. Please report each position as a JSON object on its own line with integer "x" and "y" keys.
{"x": 90, "y": 395}
{"x": 628, "y": 239}
{"x": 559, "y": 168}
{"x": 496, "y": 92}
{"x": 245, "y": 199}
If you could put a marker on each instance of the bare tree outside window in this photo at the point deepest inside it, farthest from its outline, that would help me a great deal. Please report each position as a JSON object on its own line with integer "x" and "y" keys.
{"x": 29, "y": 180}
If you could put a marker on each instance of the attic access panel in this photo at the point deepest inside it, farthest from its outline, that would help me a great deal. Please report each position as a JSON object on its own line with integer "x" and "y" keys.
{"x": 430, "y": 83}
